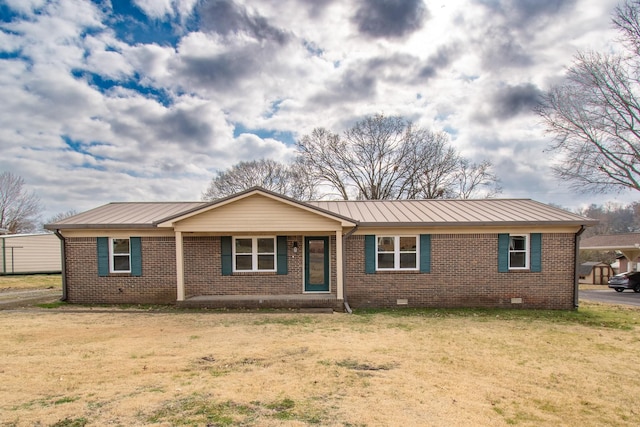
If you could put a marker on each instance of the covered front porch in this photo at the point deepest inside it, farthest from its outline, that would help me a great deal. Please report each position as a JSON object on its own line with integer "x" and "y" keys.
{"x": 259, "y": 250}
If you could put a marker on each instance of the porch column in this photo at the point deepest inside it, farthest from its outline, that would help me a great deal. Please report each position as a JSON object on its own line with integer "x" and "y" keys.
{"x": 339, "y": 266}
{"x": 179, "y": 266}
{"x": 631, "y": 255}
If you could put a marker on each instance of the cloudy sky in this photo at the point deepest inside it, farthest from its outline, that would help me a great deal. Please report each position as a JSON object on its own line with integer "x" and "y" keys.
{"x": 144, "y": 100}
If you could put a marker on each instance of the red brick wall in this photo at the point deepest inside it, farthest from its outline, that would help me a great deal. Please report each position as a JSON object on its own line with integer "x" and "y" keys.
{"x": 203, "y": 273}
{"x": 464, "y": 273}
{"x": 157, "y": 285}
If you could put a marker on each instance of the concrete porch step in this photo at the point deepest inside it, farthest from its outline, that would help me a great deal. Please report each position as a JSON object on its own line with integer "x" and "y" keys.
{"x": 297, "y": 301}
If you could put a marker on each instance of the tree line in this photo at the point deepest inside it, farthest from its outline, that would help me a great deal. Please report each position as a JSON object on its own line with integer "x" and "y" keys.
{"x": 613, "y": 219}
{"x": 378, "y": 158}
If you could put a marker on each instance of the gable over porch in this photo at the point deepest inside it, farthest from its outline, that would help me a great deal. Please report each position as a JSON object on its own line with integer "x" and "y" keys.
{"x": 263, "y": 244}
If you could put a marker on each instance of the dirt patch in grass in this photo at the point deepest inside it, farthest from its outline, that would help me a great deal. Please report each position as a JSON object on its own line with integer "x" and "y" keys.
{"x": 422, "y": 367}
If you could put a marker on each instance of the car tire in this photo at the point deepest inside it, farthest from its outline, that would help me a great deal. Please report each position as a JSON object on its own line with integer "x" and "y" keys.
{"x": 637, "y": 289}
{"x": 619, "y": 289}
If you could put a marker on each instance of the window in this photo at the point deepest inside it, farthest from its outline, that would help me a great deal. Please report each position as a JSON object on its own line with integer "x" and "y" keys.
{"x": 397, "y": 253}
{"x": 120, "y": 256}
{"x": 518, "y": 251}
{"x": 254, "y": 254}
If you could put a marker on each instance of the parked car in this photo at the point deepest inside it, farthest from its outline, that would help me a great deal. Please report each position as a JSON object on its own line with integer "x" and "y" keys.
{"x": 628, "y": 280}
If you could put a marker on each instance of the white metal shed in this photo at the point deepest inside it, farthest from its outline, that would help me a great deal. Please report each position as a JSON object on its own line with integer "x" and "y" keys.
{"x": 29, "y": 254}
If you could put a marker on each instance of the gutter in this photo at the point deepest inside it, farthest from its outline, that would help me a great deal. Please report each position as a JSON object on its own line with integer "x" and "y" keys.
{"x": 63, "y": 255}
{"x": 576, "y": 279}
{"x": 344, "y": 268}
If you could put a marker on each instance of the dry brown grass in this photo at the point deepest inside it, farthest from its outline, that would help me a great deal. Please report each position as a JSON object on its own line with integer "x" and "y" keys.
{"x": 433, "y": 368}
{"x": 33, "y": 281}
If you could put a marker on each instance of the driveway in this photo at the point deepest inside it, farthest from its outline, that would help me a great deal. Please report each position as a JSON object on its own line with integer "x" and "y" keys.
{"x": 610, "y": 296}
{"x": 25, "y": 297}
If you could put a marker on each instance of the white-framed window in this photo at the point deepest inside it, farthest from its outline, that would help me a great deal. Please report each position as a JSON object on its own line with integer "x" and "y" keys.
{"x": 119, "y": 256}
{"x": 254, "y": 254}
{"x": 518, "y": 251}
{"x": 397, "y": 252}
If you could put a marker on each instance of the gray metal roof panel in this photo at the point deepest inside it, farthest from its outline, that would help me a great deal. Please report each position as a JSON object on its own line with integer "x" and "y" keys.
{"x": 400, "y": 213}
{"x": 123, "y": 215}
{"x": 449, "y": 212}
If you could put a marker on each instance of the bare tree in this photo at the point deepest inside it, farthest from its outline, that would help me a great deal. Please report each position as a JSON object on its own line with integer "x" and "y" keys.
{"x": 438, "y": 166}
{"x": 594, "y": 116}
{"x": 383, "y": 158}
{"x": 288, "y": 179}
{"x": 60, "y": 216}
{"x": 476, "y": 180}
{"x": 19, "y": 209}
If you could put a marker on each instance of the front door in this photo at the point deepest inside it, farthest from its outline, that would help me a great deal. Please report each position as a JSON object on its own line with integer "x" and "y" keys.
{"x": 316, "y": 264}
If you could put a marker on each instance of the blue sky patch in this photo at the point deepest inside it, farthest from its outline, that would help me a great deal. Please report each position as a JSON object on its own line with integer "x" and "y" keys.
{"x": 285, "y": 137}
{"x": 105, "y": 84}
{"x": 6, "y": 13}
{"x": 132, "y": 26}
{"x": 273, "y": 110}
{"x": 82, "y": 147}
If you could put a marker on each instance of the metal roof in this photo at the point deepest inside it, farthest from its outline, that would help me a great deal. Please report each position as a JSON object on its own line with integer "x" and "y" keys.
{"x": 452, "y": 212}
{"x": 124, "y": 215}
{"x": 611, "y": 242}
{"x": 396, "y": 213}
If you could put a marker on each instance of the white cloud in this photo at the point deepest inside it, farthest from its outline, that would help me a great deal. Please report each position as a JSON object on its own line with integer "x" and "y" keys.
{"x": 155, "y": 9}
{"x": 167, "y": 120}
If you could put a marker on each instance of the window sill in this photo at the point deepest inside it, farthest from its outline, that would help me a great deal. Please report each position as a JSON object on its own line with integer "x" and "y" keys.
{"x": 254, "y": 273}
{"x": 397, "y": 271}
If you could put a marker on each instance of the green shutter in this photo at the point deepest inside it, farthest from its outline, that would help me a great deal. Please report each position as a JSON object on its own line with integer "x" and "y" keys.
{"x": 503, "y": 252}
{"x": 135, "y": 246}
{"x": 536, "y": 252}
{"x": 103, "y": 256}
{"x": 282, "y": 255}
{"x": 425, "y": 253}
{"x": 225, "y": 249}
{"x": 370, "y": 254}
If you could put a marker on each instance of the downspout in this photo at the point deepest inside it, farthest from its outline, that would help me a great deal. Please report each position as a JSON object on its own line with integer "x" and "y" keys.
{"x": 63, "y": 264}
{"x": 576, "y": 279}
{"x": 344, "y": 268}
{"x": 4, "y": 255}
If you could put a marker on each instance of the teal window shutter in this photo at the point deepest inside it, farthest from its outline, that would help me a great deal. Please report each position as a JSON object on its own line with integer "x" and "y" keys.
{"x": 103, "y": 256}
{"x": 225, "y": 249}
{"x": 282, "y": 255}
{"x": 370, "y": 254}
{"x": 536, "y": 252}
{"x": 425, "y": 253}
{"x": 503, "y": 252}
{"x": 135, "y": 245}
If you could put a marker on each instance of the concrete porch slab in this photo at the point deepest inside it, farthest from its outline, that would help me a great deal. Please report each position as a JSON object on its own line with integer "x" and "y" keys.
{"x": 296, "y": 301}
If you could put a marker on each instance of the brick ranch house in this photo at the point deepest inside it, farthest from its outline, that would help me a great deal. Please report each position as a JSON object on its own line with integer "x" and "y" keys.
{"x": 261, "y": 249}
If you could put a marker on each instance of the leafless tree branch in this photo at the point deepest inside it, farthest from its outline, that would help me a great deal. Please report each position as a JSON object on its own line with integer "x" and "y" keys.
{"x": 19, "y": 209}
{"x": 594, "y": 117}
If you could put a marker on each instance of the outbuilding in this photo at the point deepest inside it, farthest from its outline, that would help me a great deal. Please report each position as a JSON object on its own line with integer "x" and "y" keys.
{"x": 262, "y": 249}
{"x": 30, "y": 254}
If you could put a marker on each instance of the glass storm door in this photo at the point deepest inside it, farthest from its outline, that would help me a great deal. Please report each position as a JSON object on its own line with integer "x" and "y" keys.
{"x": 316, "y": 264}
